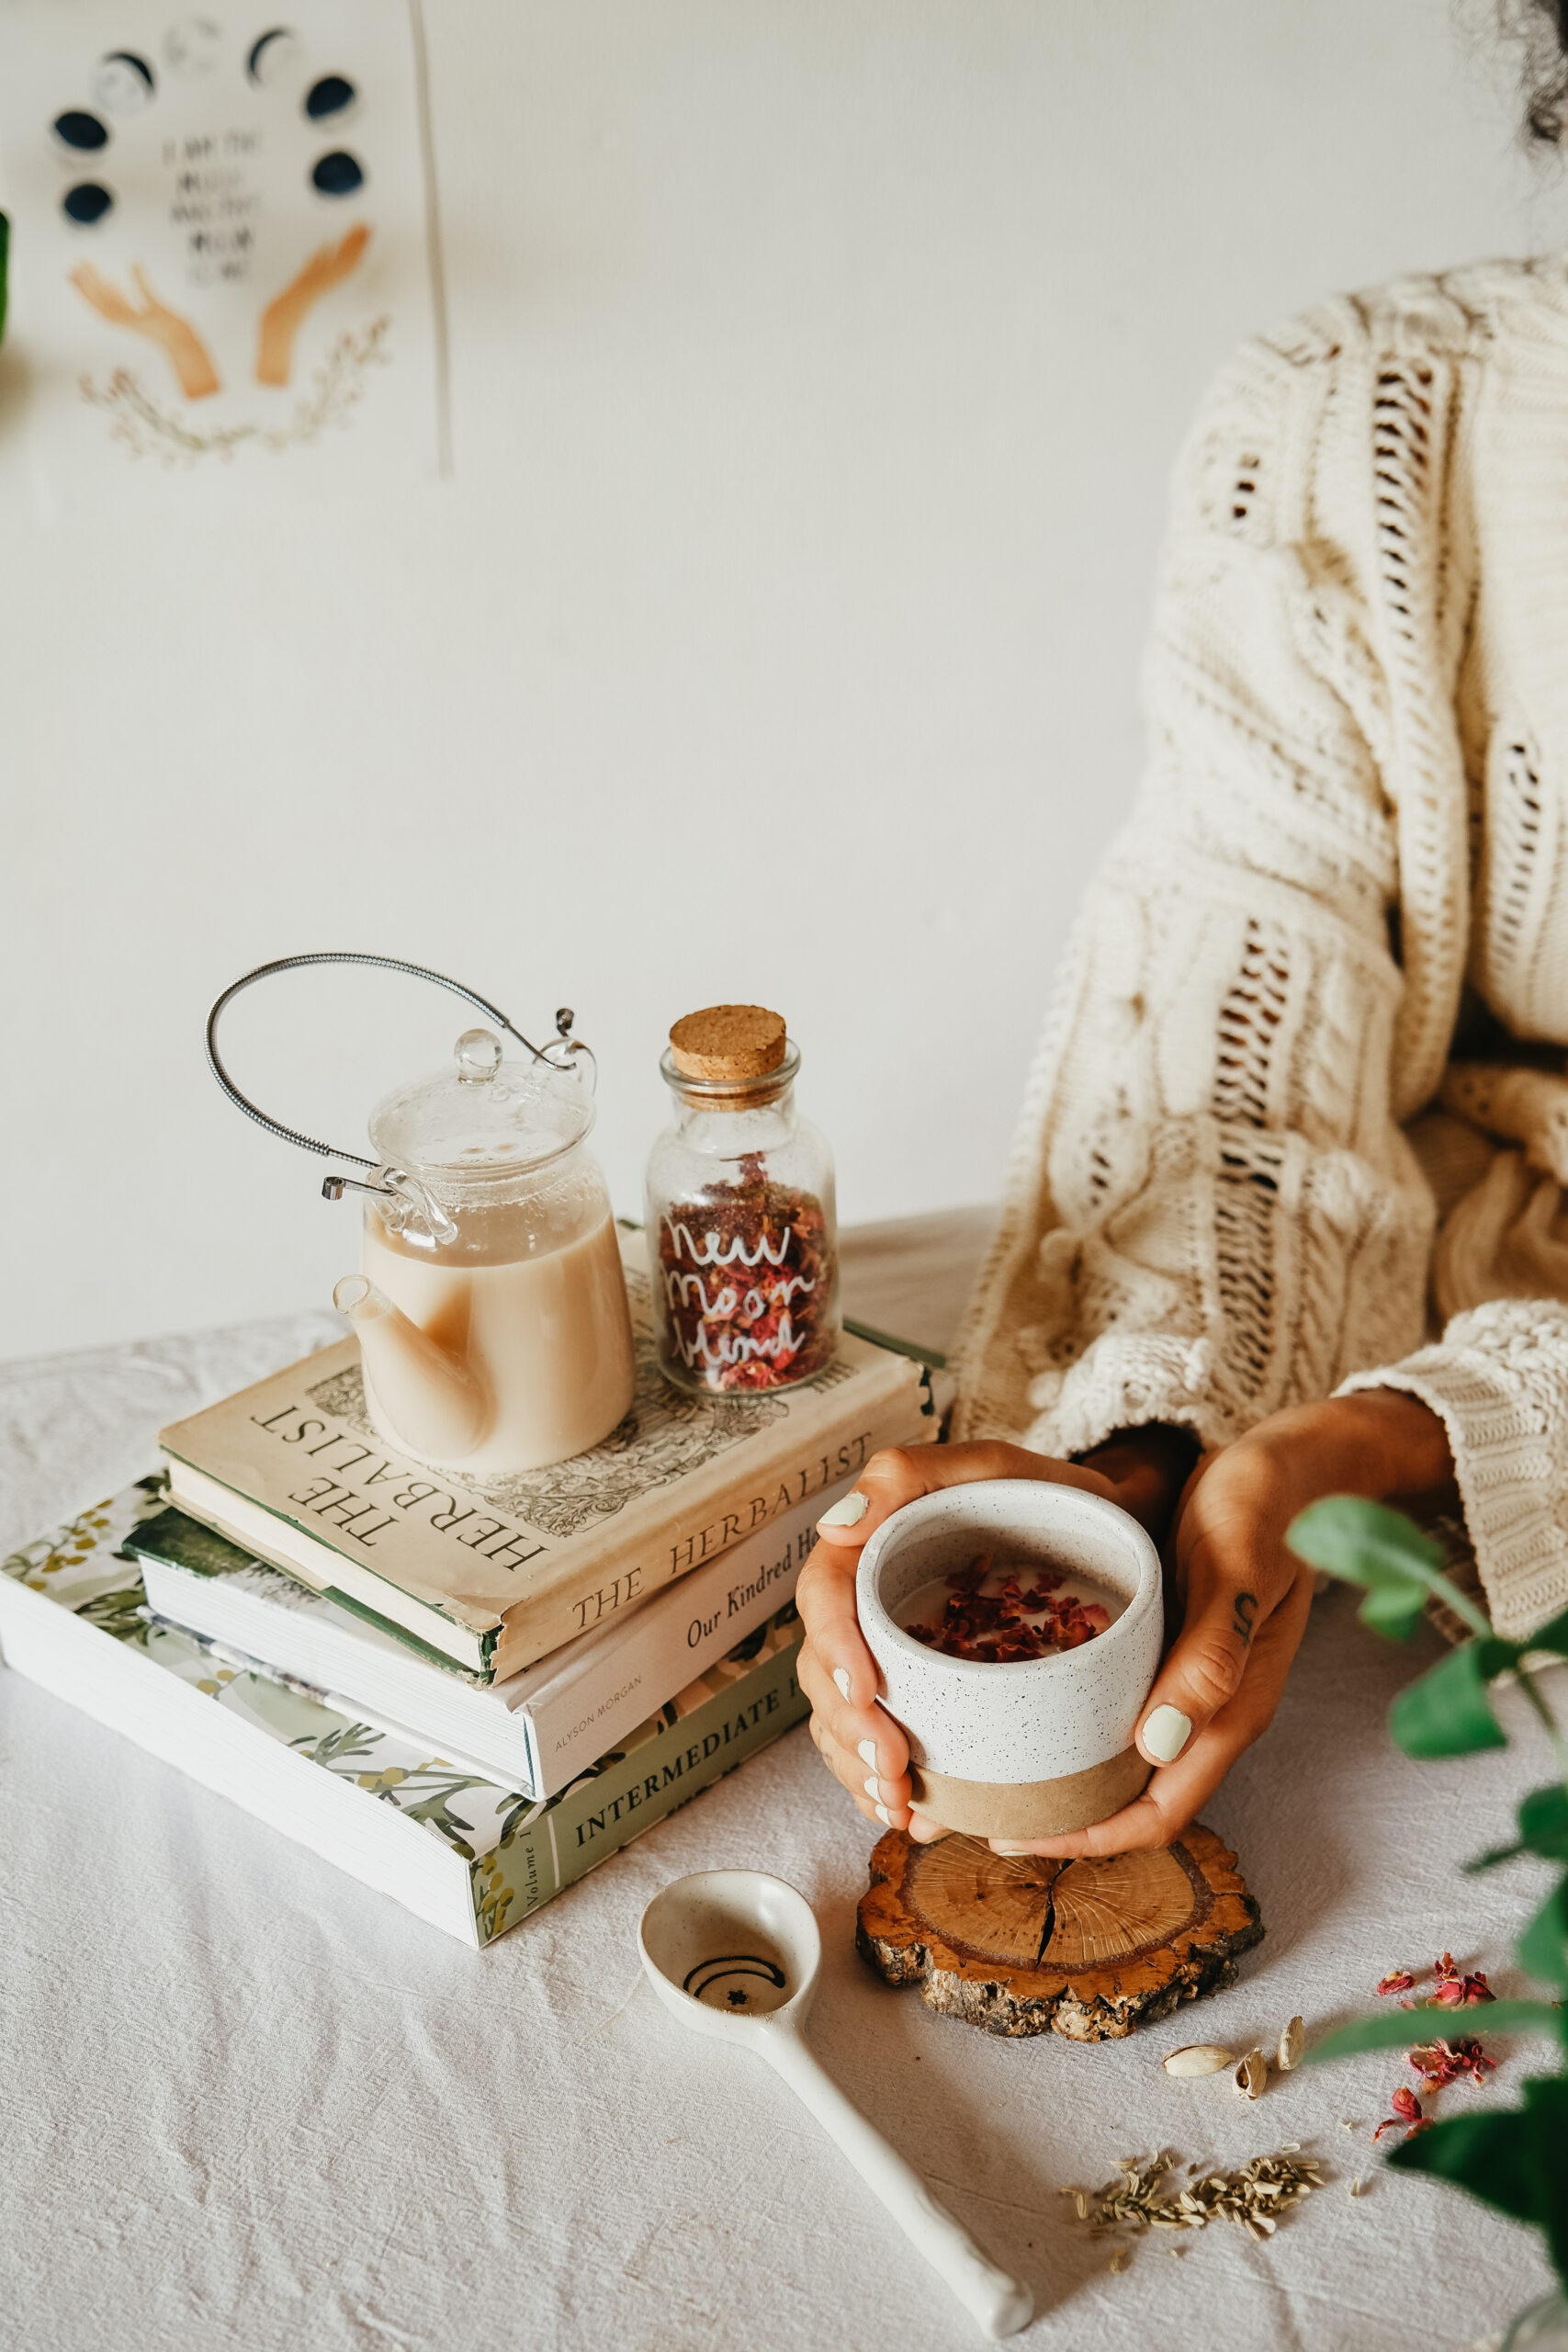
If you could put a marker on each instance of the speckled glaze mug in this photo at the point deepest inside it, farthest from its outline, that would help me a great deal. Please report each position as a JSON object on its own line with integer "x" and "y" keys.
{"x": 1041, "y": 1745}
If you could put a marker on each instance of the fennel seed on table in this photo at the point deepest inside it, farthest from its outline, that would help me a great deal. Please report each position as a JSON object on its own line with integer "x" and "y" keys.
{"x": 1140, "y": 2197}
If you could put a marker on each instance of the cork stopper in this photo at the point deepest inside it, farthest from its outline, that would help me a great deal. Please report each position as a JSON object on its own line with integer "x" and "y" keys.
{"x": 726, "y": 1042}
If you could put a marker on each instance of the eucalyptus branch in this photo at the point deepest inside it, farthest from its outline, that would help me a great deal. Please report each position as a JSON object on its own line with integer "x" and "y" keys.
{"x": 1511, "y": 2158}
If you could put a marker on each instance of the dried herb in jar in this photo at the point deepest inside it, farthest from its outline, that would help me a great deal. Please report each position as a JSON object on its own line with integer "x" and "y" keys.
{"x": 742, "y": 1267}
{"x": 740, "y": 1215}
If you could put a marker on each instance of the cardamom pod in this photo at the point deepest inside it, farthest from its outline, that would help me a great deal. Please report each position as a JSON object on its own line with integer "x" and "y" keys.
{"x": 1251, "y": 2074}
{"x": 1199, "y": 2058}
{"x": 1292, "y": 2042}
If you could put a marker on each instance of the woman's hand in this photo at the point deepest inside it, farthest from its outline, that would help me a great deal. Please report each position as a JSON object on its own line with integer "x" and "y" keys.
{"x": 1142, "y": 1470}
{"x": 1246, "y": 1598}
{"x": 286, "y": 312}
{"x": 175, "y": 336}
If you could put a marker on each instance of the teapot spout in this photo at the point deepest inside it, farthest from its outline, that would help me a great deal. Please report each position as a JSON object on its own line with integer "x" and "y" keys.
{"x": 433, "y": 1401}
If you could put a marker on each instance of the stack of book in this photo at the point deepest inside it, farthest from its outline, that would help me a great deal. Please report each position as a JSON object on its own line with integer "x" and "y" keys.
{"x": 464, "y": 1696}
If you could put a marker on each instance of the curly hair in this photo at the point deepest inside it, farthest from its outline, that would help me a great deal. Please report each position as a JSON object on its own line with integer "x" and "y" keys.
{"x": 1541, "y": 27}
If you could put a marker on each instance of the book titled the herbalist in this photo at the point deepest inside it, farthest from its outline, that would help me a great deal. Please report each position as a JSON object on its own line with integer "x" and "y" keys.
{"x": 495, "y": 1575}
{"x": 465, "y": 1852}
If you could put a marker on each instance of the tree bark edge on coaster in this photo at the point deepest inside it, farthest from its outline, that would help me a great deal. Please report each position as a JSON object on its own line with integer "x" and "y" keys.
{"x": 1020, "y": 1944}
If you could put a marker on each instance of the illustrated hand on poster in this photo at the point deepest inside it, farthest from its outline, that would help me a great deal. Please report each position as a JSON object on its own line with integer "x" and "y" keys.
{"x": 281, "y": 320}
{"x": 177, "y": 337}
{"x": 186, "y": 285}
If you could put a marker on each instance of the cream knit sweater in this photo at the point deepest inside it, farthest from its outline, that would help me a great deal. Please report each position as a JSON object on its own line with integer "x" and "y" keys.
{"x": 1229, "y": 1172}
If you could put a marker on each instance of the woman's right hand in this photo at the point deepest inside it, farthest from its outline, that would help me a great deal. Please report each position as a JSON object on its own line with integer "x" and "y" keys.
{"x": 284, "y": 315}
{"x": 855, "y": 1737}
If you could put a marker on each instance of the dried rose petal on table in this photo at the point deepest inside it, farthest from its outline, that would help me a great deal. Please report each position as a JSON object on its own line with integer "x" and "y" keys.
{"x": 1407, "y": 2112}
{"x": 1440, "y": 2063}
{"x": 1457, "y": 1991}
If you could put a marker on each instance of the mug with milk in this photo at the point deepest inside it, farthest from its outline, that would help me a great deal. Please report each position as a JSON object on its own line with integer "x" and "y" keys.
{"x": 490, "y": 1306}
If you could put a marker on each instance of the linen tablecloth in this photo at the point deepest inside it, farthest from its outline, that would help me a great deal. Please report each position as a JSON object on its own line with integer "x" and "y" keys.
{"x": 249, "y": 2103}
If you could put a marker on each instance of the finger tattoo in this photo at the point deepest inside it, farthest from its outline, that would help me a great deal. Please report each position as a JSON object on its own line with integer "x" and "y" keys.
{"x": 1246, "y": 1610}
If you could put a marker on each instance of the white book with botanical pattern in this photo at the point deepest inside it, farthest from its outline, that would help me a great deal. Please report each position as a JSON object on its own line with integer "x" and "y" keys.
{"x": 464, "y": 1853}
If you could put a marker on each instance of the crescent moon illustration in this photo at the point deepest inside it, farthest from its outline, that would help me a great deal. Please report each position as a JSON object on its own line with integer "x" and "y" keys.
{"x": 123, "y": 82}
{"x": 273, "y": 56}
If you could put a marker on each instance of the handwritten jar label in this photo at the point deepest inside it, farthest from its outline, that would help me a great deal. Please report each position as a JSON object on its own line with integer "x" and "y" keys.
{"x": 744, "y": 1282}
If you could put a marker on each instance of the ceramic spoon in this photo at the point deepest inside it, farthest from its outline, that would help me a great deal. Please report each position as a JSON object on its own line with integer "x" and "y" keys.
{"x": 737, "y": 1954}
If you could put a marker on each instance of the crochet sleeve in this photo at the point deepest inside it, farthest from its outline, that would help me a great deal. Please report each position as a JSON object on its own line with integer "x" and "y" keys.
{"x": 1211, "y": 1210}
{"x": 1498, "y": 1381}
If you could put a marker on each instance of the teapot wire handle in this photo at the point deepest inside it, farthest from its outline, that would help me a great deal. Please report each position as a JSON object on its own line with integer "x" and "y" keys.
{"x": 563, "y": 1052}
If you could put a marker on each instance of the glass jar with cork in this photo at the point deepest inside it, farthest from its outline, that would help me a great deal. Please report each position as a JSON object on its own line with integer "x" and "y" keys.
{"x": 741, "y": 1225}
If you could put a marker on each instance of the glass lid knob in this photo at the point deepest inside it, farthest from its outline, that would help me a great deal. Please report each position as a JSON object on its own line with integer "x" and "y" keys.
{"x": 478, "y": 1053}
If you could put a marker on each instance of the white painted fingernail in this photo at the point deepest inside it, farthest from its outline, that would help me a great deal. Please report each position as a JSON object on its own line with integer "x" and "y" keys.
{"x": 848, "y": 1512}
{"x": 885, "y": 1816}
{"x": 1165, "y": 1733}
{"x": 840, "y": 1676}
{"x": 866, "y": 1751}
{"x": 874, "y": 1789}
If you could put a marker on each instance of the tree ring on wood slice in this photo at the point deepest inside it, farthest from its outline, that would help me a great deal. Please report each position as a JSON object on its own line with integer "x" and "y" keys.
{"x": 1021, "y": 1944}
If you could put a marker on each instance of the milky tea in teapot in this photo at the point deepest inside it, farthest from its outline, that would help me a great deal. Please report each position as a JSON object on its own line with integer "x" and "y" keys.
{"x": 490, "y": 1306}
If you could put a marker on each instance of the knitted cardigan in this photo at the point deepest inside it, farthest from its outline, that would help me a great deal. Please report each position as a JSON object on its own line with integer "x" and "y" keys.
{"x": 1226, "y": 1181}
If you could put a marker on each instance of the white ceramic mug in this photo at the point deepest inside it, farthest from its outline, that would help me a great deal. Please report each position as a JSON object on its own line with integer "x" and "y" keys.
{"x": 1040, "y": 1746}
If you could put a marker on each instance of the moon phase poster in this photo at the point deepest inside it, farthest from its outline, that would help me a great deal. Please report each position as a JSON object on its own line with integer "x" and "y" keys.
{"x": 224, "y": 258}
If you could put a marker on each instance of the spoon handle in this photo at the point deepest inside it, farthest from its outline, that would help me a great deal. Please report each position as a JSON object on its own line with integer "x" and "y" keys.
{"x": 1001, "y": 2305}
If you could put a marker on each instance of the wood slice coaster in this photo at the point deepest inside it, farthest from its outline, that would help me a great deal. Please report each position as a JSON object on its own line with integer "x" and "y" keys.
{"x": 1018, "y": 1944}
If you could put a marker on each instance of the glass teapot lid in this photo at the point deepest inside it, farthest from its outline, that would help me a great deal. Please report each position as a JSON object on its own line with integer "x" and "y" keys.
{"x": 483, "y": 1118}
{"x": 482, "y": 1121}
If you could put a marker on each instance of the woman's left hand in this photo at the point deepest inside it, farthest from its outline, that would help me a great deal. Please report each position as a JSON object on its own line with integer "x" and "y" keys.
{"x": 1246, "y": 1598}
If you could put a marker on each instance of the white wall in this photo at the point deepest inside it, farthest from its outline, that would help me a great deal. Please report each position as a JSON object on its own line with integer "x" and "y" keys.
{"x": 819, "y": 364}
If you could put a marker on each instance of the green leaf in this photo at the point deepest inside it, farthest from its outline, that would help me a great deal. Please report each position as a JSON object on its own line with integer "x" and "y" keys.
{"x": 1403, "y": 2029}
{"x": 1543, "y": 1947}
{"x": 1393, "y": 1610}
{"x": 1546, "y": 2103}
{"x": 1492, "y": 2155}
{"x": 1363, "y": 1541}
{"x": 1552, "y": 1636}
{"x": 1448, "y": 1713}
{"x": 1543, "y": 1829}
{"x": 1543, "y": 1822}
{"x": 1365, "y": 1544}
{"x": 1512, "y": 2160}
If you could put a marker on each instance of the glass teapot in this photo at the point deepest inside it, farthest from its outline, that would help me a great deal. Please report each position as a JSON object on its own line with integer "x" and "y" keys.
{"x": 490, "y": 1306}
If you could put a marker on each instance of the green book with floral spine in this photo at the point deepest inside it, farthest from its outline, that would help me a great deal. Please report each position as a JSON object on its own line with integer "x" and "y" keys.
{"x": 471, "y": 1858}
